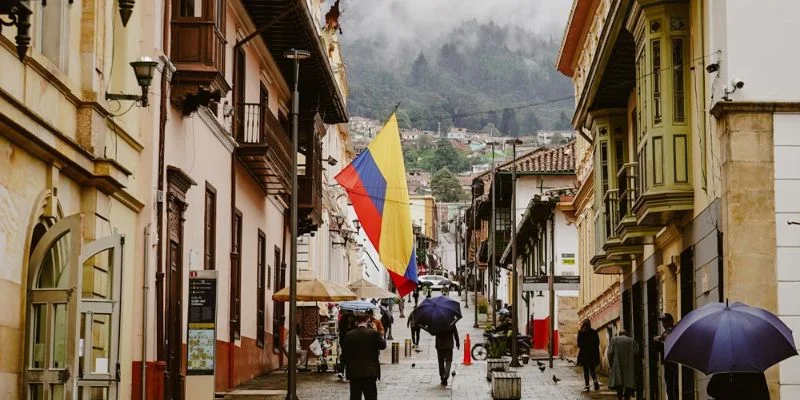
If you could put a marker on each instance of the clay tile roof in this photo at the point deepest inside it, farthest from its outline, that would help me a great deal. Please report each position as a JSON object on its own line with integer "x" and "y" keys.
{"x": 560, "y": 159}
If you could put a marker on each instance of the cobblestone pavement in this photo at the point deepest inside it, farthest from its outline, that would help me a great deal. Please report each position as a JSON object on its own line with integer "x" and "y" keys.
{"x": 417, "y": 376}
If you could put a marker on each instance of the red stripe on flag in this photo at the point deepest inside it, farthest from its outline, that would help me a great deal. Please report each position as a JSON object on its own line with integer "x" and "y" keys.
{"x": 404, "y": 286}
{"x": 371, "y": 220}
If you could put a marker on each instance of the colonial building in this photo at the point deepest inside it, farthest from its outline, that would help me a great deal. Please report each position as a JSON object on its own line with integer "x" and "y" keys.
{"x": 683, "y": 196}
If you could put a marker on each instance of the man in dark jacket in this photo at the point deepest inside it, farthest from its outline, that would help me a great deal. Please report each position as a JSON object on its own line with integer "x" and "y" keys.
{"x": 444, "y": 351}
{"x": 361, "y": 350}
{"x": 670, "y": 368}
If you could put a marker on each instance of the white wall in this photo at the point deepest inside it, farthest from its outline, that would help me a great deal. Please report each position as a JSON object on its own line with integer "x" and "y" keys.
{"x": 787, "y": 190}
{"x": 754, "y": 38}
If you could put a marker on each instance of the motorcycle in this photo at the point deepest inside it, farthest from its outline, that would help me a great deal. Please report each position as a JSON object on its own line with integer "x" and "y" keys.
{"x": 480, "y": 351}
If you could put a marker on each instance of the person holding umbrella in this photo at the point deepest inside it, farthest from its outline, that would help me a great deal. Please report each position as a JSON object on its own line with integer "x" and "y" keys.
{"x": 623, "y": 356}
{"x": 738, "y": 385}
{"x": 438, "y": 316}
{"x": 670, "y": 368}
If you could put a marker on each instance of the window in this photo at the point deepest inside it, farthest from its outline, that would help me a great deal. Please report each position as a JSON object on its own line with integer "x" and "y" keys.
{"x": 236, "y": 271}
{"x": 603, "y": 168}
{"x": 190, "y": 8}
{"x": 678, "y": 80}
{"x": 52, "y": 33}
{"x": 656, "y": 82}
{"x": 210, "y": 228}
{"x": 260, "y": 284}
{"x": 280, "y": 309}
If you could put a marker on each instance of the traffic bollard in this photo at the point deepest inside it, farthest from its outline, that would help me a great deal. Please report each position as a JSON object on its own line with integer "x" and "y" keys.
{"x": 395, "y": 353}
{"x": 407, "y": 348}
{"x": 467, "y": 358}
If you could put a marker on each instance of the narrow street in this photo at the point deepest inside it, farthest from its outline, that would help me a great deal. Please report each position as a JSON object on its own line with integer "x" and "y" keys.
{"x": 417, "y": 376}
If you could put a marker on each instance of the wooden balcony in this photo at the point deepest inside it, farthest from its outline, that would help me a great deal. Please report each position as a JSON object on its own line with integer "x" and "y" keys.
{"x": 309, "y": 175}
{"x": 264, "y": 148}
{"x": 614, "y": 247}
{"x": 627, "y": 228}
{"x": 603, "y": 265}
{"x": 198, "y": 52}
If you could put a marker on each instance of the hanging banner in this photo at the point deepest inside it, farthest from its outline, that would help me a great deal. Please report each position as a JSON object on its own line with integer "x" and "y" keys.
{"x": 202, "y": 320}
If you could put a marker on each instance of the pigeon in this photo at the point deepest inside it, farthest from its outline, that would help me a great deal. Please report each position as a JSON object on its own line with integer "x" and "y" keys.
{"x": 541, "y": 368}
{"x": 555, "y": 379}
{"x": 539, "y": 363}
{"x": 453, "y": 373}
{"x": 418, "y": 350}
{"x": 413, "y": 365}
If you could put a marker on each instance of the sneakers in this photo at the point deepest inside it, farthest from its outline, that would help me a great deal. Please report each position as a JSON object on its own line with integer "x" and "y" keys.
{"x": 596, "y": 386}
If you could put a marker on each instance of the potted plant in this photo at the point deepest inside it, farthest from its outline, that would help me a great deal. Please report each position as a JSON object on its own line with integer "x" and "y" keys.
{"x": 483, "y": 309}
{"x": 496, "y": 361}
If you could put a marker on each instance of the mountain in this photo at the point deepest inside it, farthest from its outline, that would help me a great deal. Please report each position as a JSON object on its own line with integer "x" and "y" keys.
{"x": 454, "y": 78}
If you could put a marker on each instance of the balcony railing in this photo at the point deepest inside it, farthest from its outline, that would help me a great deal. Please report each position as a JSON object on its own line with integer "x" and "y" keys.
{"x": 264, "y": 147}
{"x": 612, "y": 214}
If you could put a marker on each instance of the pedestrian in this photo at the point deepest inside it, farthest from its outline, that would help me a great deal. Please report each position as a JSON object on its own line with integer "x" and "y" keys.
{"x": 739, "y": 385}
{"x": 361, "y": 358}
{"x": 387, "y": 319}
{"x": 670, "y": 368}
{"x": 459, "y": 290}
{"x": 589, "y": 353}
{"x": 374, "y": 324}
{"x": 415, "y": 330}
{"x": 444, "y": 351}
{"x": 302, "y": 355}
{"x": 428, "y": 291}
{"x": 416, "y": 297}
{"x": 445, "y": 290}
{"x": 623, "y": 357}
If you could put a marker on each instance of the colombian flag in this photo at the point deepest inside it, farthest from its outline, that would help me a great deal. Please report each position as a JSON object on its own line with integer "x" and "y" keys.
{"x": 376, "y": 184}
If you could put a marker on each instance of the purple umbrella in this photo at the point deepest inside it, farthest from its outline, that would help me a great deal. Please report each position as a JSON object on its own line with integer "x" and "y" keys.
{"x": 718, "y": 338}
{"x": 437, "y": 314}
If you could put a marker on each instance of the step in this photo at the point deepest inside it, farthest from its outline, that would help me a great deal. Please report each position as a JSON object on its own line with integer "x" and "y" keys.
{"x": 256, "y": 395}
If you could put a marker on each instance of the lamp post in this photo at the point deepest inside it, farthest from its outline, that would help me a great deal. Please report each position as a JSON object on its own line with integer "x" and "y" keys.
{"x": 514, "y": 277}
{"x": 477, "y": 190}
{"x": 296, "y": 56}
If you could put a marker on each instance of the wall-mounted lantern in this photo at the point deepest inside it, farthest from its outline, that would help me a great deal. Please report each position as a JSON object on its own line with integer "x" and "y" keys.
{"x": 144, "y": 69}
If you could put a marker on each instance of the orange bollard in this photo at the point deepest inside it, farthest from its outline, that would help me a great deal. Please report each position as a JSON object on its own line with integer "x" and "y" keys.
{"x": 467, "y": 358}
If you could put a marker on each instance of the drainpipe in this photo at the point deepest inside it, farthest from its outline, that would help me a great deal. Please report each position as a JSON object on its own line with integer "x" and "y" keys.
{"x": 161, "y": 195}
{"x": 145, "y": 290}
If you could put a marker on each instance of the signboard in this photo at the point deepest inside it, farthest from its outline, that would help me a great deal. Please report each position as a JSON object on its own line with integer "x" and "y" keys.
{"x": 568, "y": 258}
{"x": 542, "y": 282}
{"x": 202, "y": 320}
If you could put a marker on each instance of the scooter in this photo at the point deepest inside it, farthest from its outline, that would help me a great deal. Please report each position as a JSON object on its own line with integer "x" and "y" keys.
{"x": 480, "y": 351}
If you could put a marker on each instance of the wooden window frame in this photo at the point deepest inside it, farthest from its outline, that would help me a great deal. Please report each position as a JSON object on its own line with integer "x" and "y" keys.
{"x": 261, "y": 260}
{"x": 236, "y": 277}
{"x": 210, "y": 228}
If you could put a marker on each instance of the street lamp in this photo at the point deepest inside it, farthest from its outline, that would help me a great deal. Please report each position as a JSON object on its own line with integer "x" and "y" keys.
{"x": 144, "y": 69}
{"x": 477, "y": 190}
{"x": 514, "y": 277}
{"x": 296, "y": 56}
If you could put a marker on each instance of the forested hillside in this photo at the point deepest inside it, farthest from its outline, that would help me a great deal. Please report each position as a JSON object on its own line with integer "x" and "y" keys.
{"x": 477, "y": 67}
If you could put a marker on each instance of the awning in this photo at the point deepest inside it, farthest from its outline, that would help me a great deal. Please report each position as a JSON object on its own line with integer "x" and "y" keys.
{"x": 537, "y": 212}
{"x": 293, "y": 27}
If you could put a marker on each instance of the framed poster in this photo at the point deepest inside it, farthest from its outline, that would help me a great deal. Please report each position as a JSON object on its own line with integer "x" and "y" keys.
{"x": 201, "y": 335}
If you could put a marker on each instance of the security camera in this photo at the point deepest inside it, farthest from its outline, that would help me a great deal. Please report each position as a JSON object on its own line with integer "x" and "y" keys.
{"x": 737, "y": 83}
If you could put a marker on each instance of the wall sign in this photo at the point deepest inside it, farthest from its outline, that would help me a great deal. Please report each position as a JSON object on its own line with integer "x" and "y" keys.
{"x": 542, "y": 282}
{"x": 202, "y": 320}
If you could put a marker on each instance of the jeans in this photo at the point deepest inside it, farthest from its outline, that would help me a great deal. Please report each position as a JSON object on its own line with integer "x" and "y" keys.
{"x": 415, "y": 336}
{"x": 365, "y": 386}
{"x": 589, "y": 370}
{"x": 445, "y": 357}
{"x": 671, "y": 380}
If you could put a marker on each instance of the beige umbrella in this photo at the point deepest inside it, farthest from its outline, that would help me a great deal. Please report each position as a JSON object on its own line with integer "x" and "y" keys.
{"x": 317, "y": 290}
{"x": 368, "y": 290}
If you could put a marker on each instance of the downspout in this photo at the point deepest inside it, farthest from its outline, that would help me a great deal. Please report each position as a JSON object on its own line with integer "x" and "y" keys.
{"x": 145, "y": 290}
{"x": 161, "y": 196}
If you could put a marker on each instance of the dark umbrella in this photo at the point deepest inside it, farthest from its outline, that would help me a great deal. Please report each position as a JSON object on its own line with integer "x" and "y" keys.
{"x": 437, "y": 315}
{"x": 718, "y": 338}
{"x": 445, "y": 282}
{"x": 356, "y": 305}
{"x": 425, "y": 283}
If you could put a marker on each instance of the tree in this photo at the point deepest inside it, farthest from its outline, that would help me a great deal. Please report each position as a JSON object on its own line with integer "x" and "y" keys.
{"x": 420, "y": 70}
{"x": 531, "y": 124}
{"x": 446, "y": 187}
{"x": 558, "y": 139}
{"x": 447, "y": 156}
{"x": 509, "y": 124}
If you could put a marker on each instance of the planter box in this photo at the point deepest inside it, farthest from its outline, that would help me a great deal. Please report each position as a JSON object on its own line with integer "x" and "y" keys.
{"x": 496, "y": 365}
{"x": 506, "y": 385}
{"x": 482, "y": 318}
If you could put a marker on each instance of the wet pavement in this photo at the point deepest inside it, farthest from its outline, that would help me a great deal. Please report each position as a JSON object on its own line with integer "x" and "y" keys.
{"x": 417, "y": 376}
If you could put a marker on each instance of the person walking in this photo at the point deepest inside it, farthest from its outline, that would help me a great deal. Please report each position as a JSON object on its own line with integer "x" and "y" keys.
{"x": 738, "y": 385}
{"x": 589, "y": 353}
{"x": 361, "y": 350}
{"x": 623, "y": 356}
{"x": 444, "y": 351}
{"x": 387, "y": 319}
{"x": 415, "y": 331}
{"x": 416, "y": 297}
{"x": 670, "y": 368}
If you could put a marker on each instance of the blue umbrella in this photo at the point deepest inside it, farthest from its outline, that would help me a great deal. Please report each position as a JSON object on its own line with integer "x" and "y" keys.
{"x": 356, "y": 305}
{"x": 437, "y": 314}
{"x": 718, "y": 338}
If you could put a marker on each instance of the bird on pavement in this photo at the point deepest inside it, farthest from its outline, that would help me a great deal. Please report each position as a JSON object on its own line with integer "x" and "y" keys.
{"x": 413, "y": 365}
{"x": 541, "y": 368}
{"x": 555, "y": 379}
{"x": 418, "y": 350}
{"x": 539, "y": 363}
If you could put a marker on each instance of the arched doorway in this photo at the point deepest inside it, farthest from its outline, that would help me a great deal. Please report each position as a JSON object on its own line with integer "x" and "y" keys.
{"x": 73, "y": 303}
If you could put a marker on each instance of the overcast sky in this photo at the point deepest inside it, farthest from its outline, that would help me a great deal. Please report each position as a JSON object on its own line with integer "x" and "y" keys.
{"x": 418, "y": 19}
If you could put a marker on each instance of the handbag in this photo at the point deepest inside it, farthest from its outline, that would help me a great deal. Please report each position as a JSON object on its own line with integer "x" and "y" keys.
{"x": 315, "y": 348}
